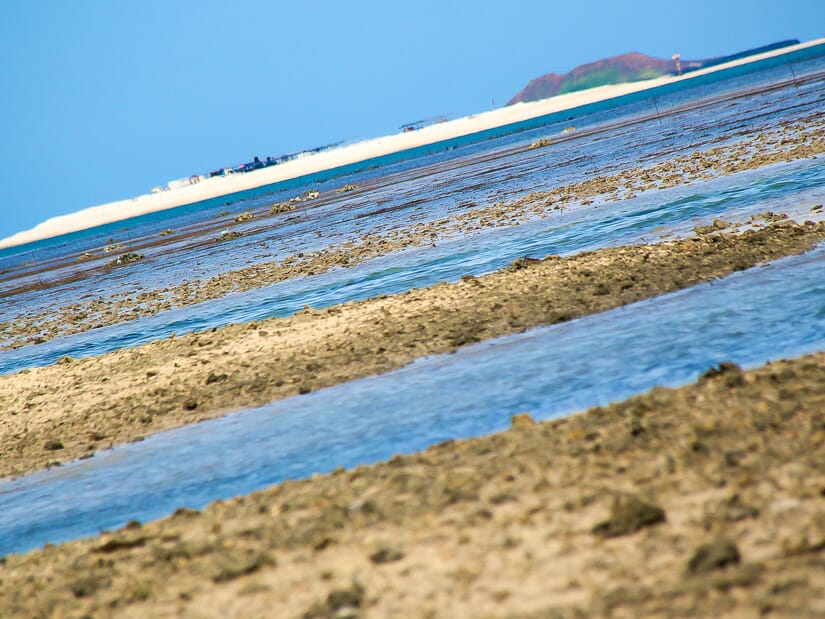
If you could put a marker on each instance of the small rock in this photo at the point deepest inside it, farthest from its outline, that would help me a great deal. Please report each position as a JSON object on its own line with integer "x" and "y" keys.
{"x": 185, "y": 512}
{"x": 726, "y": 368}
{"x": 236, "y": 567}
{"x": 714, "y": 555}
{"x": 126, "y": 259}
{"x": 717, "y": 225}
{"x": 522, "y": 420}
{"x": 280, "y": 207}
{"x": 523, "y": 263}
{"x": 215, "y": 378}
{"x": 322, "y": 542}
{"x": 123, "y": 542}
{"x": 227, "y": 235}
{"x": 53, "y": 445}
{"x": 351, "y": 597}
{"x": 502, "y": 497}
{"x": 386, "y": 554}
{"x": 628, "y": 515}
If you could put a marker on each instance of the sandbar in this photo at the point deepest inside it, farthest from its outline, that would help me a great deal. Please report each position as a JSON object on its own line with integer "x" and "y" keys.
{"x": 75, "y": 407}
{"x": 702, "y": 501}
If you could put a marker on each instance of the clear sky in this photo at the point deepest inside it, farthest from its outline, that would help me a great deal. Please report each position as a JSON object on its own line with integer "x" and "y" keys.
{"x": 101, "y": 100}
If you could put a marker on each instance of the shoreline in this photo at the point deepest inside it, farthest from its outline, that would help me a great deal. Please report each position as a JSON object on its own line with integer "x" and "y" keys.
{"x": 361, "y": 152}
{"x": 656, "y": 504}
{"x": 73, "y": 408}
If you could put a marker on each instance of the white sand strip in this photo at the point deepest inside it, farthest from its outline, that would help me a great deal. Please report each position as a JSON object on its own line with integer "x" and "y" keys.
{"x": 355, "y": 153}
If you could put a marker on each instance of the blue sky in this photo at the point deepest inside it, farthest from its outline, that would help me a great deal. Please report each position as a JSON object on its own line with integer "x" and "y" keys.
{"x": 102, "y": 100}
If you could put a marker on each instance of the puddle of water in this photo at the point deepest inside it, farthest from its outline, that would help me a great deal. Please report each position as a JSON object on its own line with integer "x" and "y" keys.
{"x": 773, "y": 311}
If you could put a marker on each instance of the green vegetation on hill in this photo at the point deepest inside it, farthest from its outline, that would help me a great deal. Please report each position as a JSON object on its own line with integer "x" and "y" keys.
{"x": 631, "y": 67}
{"x": 617, "y": 70}
{"x": 609, "y": 75}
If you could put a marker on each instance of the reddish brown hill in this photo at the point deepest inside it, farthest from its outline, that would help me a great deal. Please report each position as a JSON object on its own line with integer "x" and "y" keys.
{"x": 625, "y": 68}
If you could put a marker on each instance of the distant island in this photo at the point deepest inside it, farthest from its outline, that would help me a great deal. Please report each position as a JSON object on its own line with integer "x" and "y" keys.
{"x": 631, "y": 67}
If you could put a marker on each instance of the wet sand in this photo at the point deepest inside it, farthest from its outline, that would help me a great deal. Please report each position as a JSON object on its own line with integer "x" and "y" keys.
{"x": 702, "y": 501}
{"x": 791, "y": 141}
{"x": 73, "y": 408}
{"x": 706, "y": 500}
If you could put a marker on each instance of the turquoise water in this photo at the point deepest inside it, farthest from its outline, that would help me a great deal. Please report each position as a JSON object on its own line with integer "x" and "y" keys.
{"x": 765, "y": 313}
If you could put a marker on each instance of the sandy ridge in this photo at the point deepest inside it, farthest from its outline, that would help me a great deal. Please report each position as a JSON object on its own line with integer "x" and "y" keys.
{"x": 800, "y": 139}
{"x": 706, "y": 500}
{"x": 70, "y": 409}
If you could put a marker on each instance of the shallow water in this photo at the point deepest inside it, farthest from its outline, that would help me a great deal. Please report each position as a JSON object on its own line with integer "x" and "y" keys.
{"x": 773, "y": 311}
{"x": 431, "y": 186}
{"x": 790, "y": 187}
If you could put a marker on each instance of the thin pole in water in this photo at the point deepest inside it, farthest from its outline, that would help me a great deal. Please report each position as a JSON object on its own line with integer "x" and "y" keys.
{"x": 34, "y": 264}
{"x": 790, "y": 65}
{"x": 656, "y": 105}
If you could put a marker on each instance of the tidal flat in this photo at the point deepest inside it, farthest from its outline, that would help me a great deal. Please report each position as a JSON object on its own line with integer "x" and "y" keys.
{"x": 764, "y": 145}
{"x": 702, "y": 498}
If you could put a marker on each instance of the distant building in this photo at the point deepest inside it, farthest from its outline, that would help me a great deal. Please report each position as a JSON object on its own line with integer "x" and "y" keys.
{"x": 420, "y": 124}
